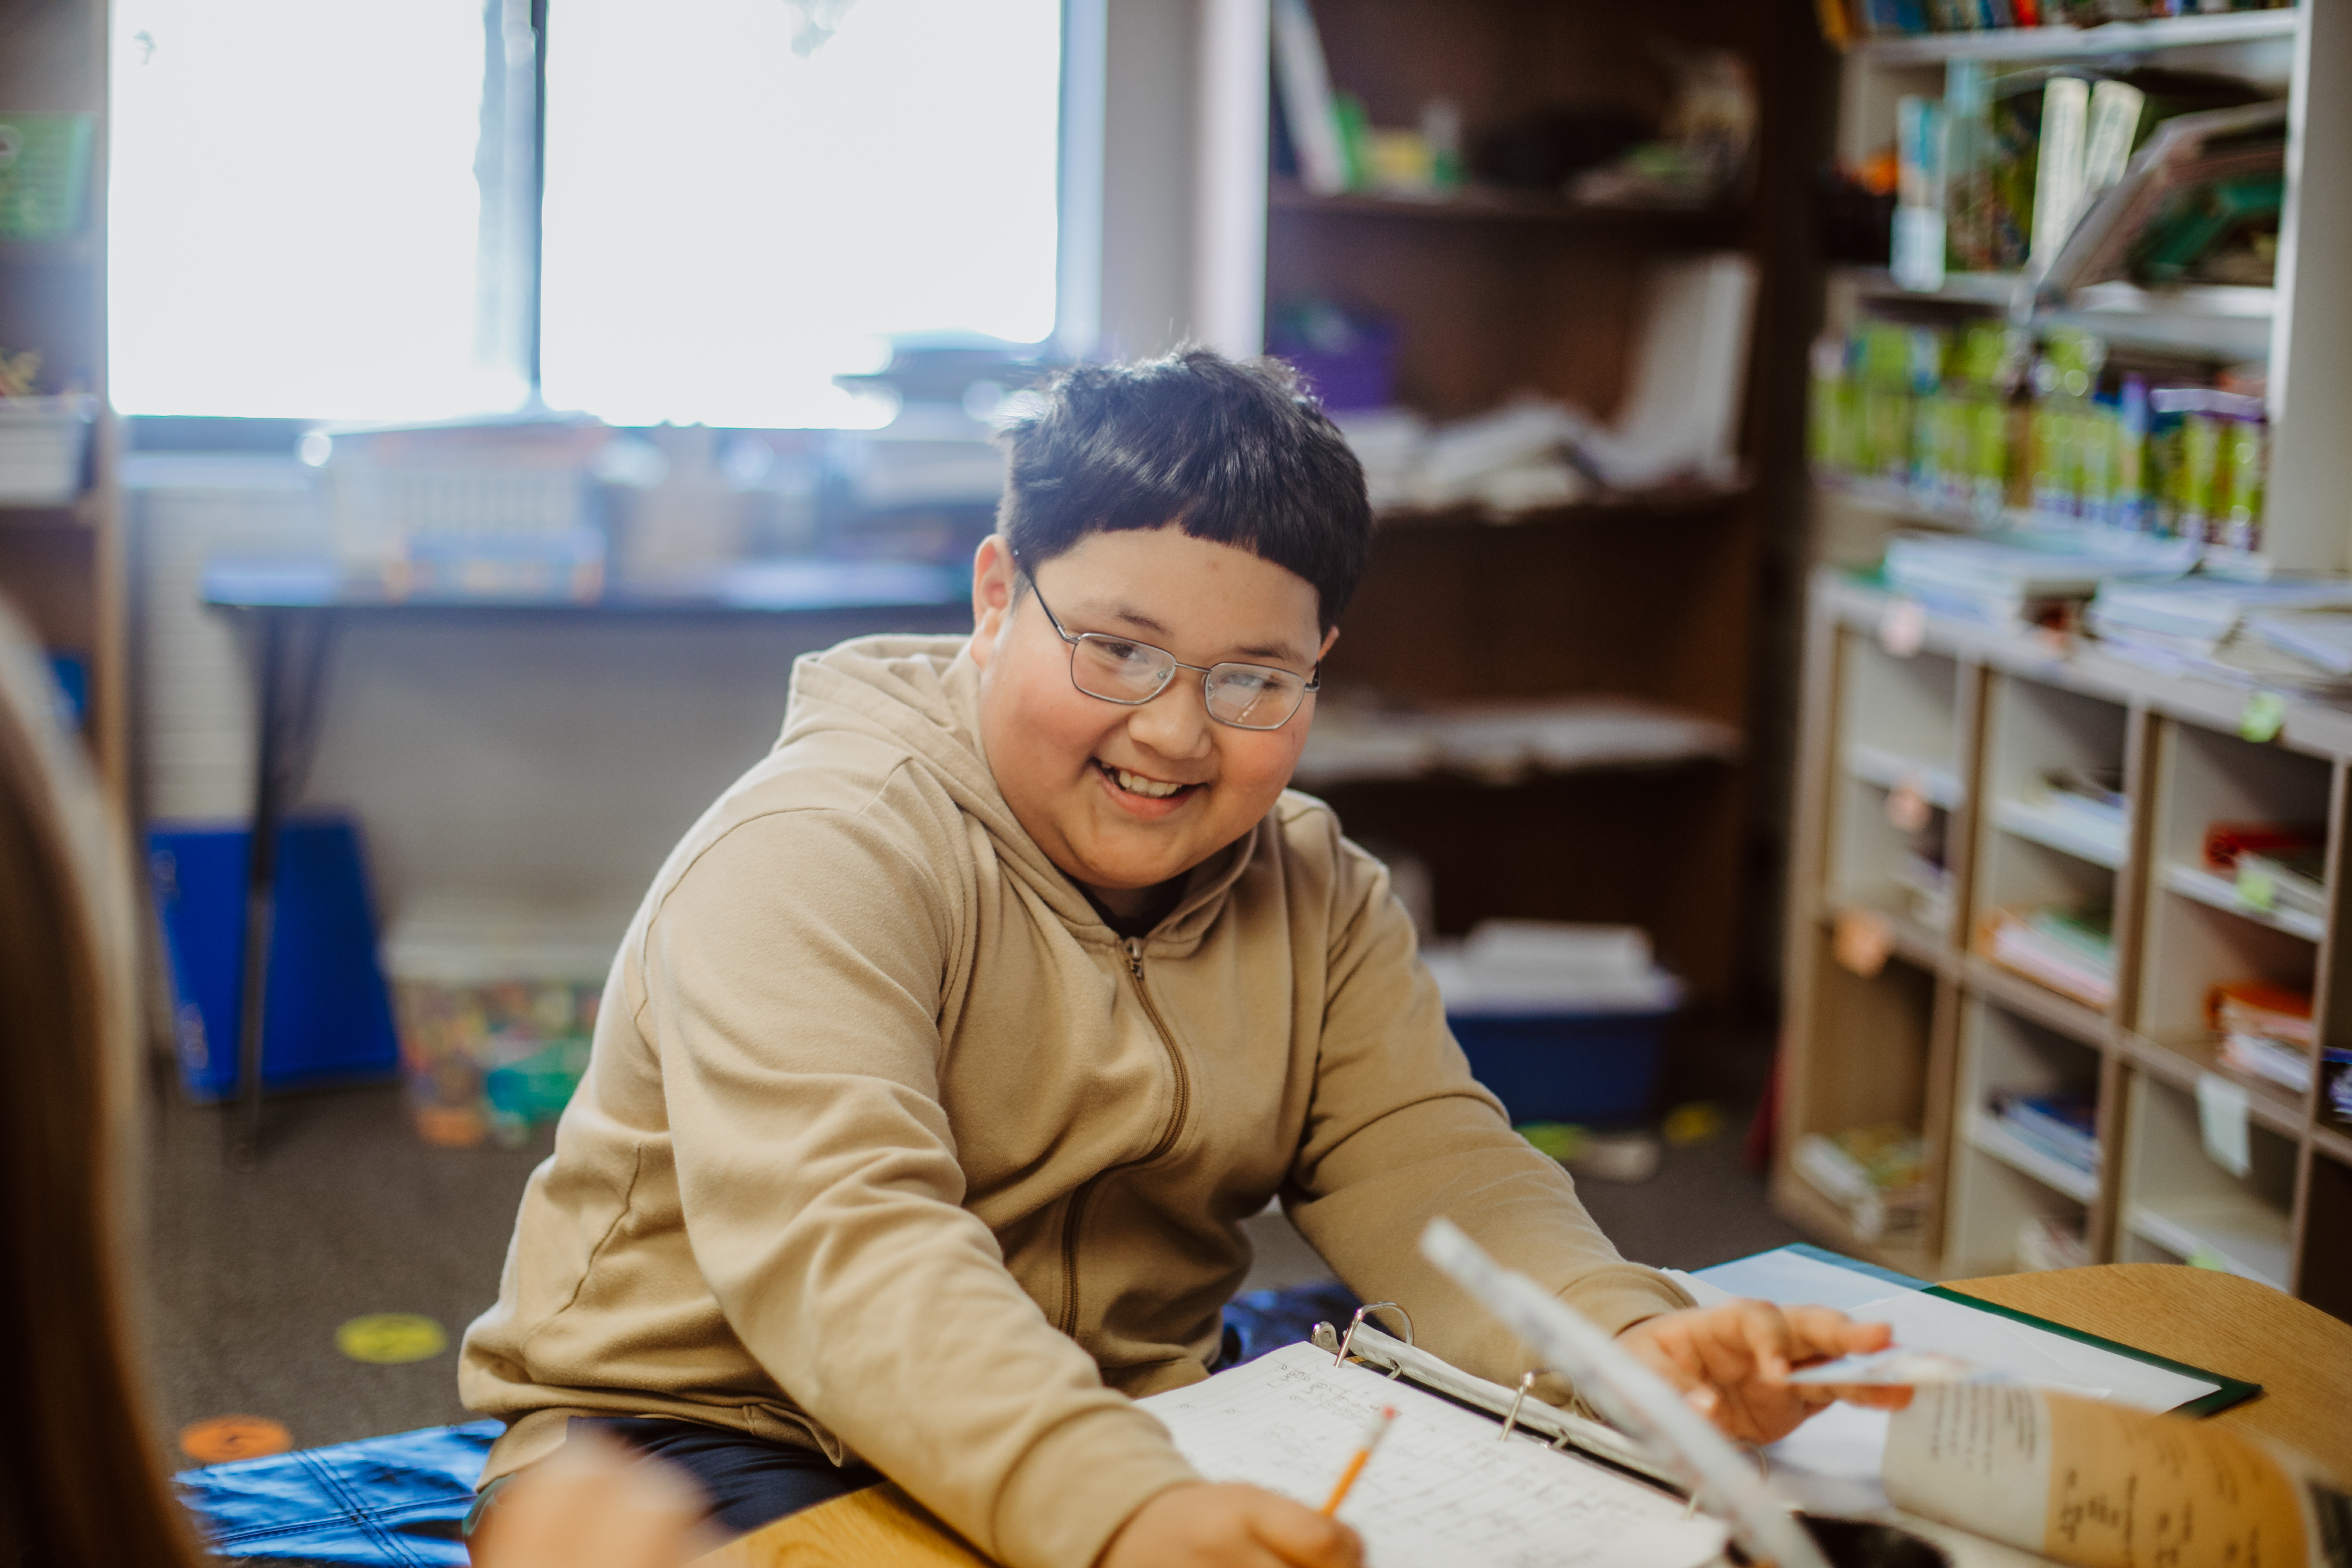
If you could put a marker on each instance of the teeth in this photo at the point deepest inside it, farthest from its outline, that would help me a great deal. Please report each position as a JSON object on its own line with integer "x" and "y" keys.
{"x": 1137, "y": 784}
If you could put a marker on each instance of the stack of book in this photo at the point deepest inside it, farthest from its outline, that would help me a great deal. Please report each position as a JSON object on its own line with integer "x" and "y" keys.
{"x": 1878, "y": 1175}
{"x": 2265, "y": 1030}
{"x": 2073, "y": 952}
{"x": 1844, "y": 20}
{"x": 2062, "y": 1126}
{"x": 2082, "y": 810}
{"x": 2230, "y": 631}
{"x": 2010, "y": 582}
{"x": 2274, "y": 866}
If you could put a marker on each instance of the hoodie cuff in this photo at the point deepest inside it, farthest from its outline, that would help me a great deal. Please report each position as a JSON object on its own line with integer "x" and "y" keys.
{"x": 1075, "y": 1487}
{"x": 1617, "y": 1298}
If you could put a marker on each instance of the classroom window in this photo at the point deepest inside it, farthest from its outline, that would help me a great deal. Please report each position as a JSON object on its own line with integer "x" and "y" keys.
{"x": 327, "y": 208}
{"x": 313, "y": 208}
{"x": 730, "y": 224}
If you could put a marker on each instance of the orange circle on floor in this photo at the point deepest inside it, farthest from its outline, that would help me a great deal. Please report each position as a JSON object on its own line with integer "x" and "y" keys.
{"x": 234, "y": 1438}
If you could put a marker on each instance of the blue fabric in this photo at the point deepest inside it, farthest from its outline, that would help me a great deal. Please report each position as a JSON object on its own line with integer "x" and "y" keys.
{"x": 398, "y": 1501}
{"x": 386, "y": 1502}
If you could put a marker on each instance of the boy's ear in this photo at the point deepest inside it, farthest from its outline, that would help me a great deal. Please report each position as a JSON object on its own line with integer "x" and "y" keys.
{"x": 993, "y": 577}
{"x": 1329, "y": 638}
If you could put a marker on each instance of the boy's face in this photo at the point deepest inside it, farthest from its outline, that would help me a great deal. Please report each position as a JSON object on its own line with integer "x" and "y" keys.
{"x": 1058, "y": 753}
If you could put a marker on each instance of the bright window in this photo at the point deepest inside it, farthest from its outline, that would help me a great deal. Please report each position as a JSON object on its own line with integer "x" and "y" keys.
{"x": 321, "y": 208}
{"x": 729, "y": 225}
{"x": 296, "y": 220}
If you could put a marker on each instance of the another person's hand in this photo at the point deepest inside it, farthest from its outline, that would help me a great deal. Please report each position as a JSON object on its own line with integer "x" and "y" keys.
{"x": 1732, "y": 1361}
{"x": 1225, "y": 1524}
{"x": 593, "y": 1504}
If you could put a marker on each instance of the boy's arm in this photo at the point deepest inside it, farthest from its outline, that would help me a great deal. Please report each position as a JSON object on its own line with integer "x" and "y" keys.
{"x": 1399, "y": 1132}
{"x": 794, "y": 982}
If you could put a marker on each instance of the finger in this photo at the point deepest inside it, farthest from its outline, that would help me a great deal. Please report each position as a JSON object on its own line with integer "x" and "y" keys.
{"x": 1820, "y": 1332}
{"x": 1298, "y": 1535}
{"x": 1770, "y": 1341}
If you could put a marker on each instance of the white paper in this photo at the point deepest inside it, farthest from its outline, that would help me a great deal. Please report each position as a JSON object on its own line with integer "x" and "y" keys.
{"x": 2222, "y": 1112}
{"x": 1445, "y": 1488}
{"x": 1832, "y": 1462}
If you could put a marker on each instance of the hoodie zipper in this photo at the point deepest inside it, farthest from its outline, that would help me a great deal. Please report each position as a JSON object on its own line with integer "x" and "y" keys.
{"x": 1073, "y": 1214}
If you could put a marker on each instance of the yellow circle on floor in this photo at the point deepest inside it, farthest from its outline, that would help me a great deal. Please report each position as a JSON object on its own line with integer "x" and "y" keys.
{"x": 391, "y": 1338}
{"x": 234, "y": 1438}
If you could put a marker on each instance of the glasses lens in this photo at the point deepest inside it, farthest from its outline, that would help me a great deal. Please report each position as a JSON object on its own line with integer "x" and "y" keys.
{"x": 1252, "y": 697}
{"x": 1121, "y": 670}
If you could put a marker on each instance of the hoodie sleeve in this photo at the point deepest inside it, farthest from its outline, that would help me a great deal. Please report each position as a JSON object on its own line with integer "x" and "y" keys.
{"x": 1399, "y": 1132}
{"x": 792, "y": 986}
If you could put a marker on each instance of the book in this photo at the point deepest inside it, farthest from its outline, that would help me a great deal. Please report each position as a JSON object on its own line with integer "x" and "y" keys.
{"x": 2062, "y": 1126}
{"x": 2261, "y": 1008}
{"x": 2207, "y": 610}
{"x": 1305, "y": 84}
{"x": 2058, "y": 171}
{"x": 2316, "y": 636}
{"x": 2258, "y": 1055}
{"x": 2225, "y": 841}
{"x": 2292, "y": 877}
{"x": 2186, "y": 150}
{"x": 2071, "y": 952}
{"x": 1877, "y": 1174}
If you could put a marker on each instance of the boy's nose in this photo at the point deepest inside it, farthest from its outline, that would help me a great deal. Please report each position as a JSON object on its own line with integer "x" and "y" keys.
{"x": 1175, "y": 724}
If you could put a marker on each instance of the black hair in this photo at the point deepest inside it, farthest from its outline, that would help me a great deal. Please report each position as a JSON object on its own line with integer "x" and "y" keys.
{"x": 1235, "y": 452}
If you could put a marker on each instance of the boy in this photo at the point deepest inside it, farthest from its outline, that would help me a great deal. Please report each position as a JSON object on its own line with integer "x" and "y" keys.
{"x": 952, "y": 1046}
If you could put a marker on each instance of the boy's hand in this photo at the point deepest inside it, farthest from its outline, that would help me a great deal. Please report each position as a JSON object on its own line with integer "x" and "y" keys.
{"x": 1225, "y": 1524}
{"x": 1732, "y": 1363}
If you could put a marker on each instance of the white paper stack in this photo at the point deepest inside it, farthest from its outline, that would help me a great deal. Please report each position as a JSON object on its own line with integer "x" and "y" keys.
{"x": 1514, "y": 967}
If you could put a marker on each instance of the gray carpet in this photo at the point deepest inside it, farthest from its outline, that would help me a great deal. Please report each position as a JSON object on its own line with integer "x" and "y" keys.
{"x": 250, "y": 1273}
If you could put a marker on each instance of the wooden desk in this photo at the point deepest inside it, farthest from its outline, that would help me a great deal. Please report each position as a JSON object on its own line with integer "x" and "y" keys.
{"x": 2301, "y": 1356}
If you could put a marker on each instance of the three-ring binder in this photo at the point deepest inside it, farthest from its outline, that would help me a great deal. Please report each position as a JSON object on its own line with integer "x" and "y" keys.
{"x": 1365, "y": 1342}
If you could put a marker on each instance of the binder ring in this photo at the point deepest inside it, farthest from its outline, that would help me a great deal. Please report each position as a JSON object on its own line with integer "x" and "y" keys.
{"x": 1357, "y": 1322}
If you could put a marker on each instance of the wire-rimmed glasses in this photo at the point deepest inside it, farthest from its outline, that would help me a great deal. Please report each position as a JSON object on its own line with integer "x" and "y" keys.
{"x": 1131, "y": 673}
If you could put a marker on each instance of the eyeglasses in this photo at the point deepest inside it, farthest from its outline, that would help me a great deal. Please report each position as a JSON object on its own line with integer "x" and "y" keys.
{"x": 1131, "y": 673}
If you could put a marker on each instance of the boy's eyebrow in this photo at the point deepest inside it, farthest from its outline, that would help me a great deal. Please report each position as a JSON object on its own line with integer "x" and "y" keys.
{"x": 1274, "y": 652}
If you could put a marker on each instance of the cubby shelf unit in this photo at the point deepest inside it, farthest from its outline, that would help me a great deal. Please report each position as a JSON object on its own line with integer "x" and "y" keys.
{"x": 1928, "y": 1040}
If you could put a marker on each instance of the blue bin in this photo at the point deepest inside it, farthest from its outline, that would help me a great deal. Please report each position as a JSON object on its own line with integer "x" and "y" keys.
{"x": 1597, "y": 1069}
{"x": 330, "y": 1017}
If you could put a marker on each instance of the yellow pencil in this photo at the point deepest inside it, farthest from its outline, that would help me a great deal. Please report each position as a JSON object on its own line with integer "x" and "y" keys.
{"x": 1356, "y": 1465}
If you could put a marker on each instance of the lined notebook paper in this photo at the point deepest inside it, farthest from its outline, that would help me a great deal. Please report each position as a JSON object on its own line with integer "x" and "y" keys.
{"x": 1443, "y": 1490}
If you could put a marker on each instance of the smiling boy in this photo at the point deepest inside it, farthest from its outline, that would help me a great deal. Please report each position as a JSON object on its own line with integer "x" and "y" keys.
{"x": 951, "y": 1047}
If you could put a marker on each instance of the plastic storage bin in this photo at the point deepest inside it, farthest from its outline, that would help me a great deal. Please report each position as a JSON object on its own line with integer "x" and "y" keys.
{"x": 1597, "y": 1069}
{"x": 497, "y": 1009}
{"x": 1565, "y": 1023}
{"x": 329, "y": 1020}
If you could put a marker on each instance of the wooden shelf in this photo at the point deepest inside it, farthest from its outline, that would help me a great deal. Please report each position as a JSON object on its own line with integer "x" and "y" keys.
{"x": 2080, "y": 43}
{"x": 2016, "y": 704}
{"x": 2033, "y": 821}
{"x": 1607, "y": 507}
{"x": 1794, "y": 1198}
{"x": 2246, "y": 1237}
{"x": 1987, "y": 1136}
{"x": 1496, "y": 204}
{"x": 2181, "y": 1061}
{"x": 2220, "y": 892}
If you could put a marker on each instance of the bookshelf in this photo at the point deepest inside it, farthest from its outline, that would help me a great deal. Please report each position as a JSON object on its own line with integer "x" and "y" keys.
{"x": 1655, "y": 597}
{"x": 1922, "y": 740}
{"x": 61, "y": 567}
{"x": 1969, "y": 717}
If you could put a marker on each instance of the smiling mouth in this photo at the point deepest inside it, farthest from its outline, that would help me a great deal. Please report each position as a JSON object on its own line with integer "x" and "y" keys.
{"x": 1137, "y": 785}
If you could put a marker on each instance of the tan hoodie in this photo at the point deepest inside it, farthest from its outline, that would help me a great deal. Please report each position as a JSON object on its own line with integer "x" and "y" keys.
{"x": 889, "y": 1146}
